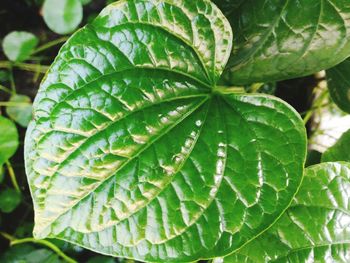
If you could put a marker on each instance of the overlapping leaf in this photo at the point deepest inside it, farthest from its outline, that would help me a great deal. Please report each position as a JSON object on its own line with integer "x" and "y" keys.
{"x": 278, "y": 40}
{"x": 339, "y": 85}
{"x": 340, "y": 151}
{"x": 316, "y": 228}
{"x": 135, "y": 152}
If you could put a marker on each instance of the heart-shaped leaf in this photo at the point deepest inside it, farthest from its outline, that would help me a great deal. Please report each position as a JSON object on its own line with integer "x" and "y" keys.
{"x": 339, "y": 85}
{"x": 278, "y": 40}
{"x": 316, "y": 228}
{"x": 340, "y": 151}
{"x": 18, "y": 45}
{"x": 135, "y": 151}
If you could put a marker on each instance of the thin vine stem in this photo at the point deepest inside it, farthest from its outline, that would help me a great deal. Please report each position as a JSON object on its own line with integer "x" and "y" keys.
{"x": 14, "y": 241}
{"x": 12, "y": 176}
{"x": 3, "y": 88}
{"x": 50, "y": 44}
{"x": 24, "y": 66}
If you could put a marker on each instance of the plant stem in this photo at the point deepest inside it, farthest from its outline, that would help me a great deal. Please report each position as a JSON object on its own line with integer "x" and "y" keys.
{"x": 12, "y": 176}
{"x": 59, "y": 252}
{"x": 50, "y": 44}
{"x": 14, "y": 104}
{"x": 228, "y": 90}
{"x": 24, "y": 66}
{"x": 3, "y": 88}
{"x": 12, "y": 80}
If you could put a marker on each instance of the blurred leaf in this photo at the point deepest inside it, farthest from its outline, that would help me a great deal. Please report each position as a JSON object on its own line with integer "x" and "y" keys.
{"x": 18, "y": 45}
{"x": 16, "y": 253}
{"x": 9, "y": 200}
{"x": 340, "y": 151}
{"x": 42, "y": 256}
{"x": 62, "y": 16}
{"x": 26, "y": 253}
{"x": 4, "y": 75}
{"x": 22, "y": 114}
{"x": 8, "y": 139}
{"x": 101, "y": 259}
{"x": 24, "y": 230}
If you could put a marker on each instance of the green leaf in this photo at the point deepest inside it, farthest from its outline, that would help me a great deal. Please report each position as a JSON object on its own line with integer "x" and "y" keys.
{"x": 135, "y": 153}
{"x": 316, "y": 228}
{"x": 19, "y": 45}
{"x": 62, "y": 16}
{"x": 339, "y": 85}
{"x": 276, "y": 40}
{"x": 340, "y": 151}
{"x": 8, "y": 139}
{"x": 9, "y": 200}
{"x": 22, "y": 112}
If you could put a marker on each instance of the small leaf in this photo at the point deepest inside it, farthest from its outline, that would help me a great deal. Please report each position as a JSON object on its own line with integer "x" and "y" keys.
{"x": 19, "y": 45}
{"x": 62, "y": 16}
{"x": 340, "y": 151}
{"x": 316, "y": 228}
{"x": 9, "y": 200}
{"x": 8, "y": 139}
{"x": 22, "y": 114}
{"x": 135, "y": 152}
{"x": 276, "y": 40}
{"x": 339, "y": 85}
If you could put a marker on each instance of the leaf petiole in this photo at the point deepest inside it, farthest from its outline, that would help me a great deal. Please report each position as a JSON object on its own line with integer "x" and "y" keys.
{"x": 24, "y": 66}
{"x": 50, "y": 44}
{"x": 228, "y": 90}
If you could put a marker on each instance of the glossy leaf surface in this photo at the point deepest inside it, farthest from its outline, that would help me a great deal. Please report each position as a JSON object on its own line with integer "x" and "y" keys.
{"x": 316, "y": 228}
{"x": 338, "y": 79}
{"x": 18, "y": 45}
{"x": 340, "y": 151}
{"x": 134, "y": 152}
{"x": 62, "y": 16}
{"x": 8, "y": 139}
{"x": 277, "y": 40}
{"x": 21, "y": 110}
